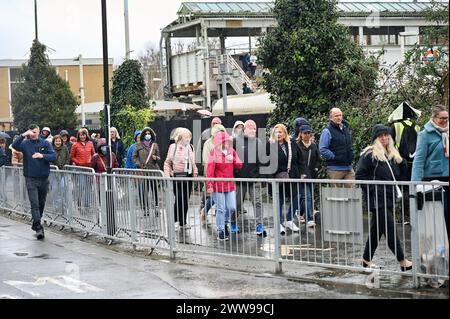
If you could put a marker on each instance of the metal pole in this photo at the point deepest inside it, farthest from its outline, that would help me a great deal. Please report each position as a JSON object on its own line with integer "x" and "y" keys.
{"x": 207, "y": 76}
{"x": 83, "y": 118}
{"x": 127, "y": 30}
{"x": 223, "y": 71}
{"x": 110, "y": 216}
{"x": 415, "y": 251}
{"x": 35, "y": 21}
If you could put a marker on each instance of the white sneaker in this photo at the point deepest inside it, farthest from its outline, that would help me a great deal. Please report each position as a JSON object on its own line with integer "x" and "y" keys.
{"x": 177, "y": 226}
{"x": 311, "y": 223}
{"x": 291, "y": 225}
{"x": 302, "y": 219}
{"x": 282, "y": 230}
{"x": 186, "y": 226}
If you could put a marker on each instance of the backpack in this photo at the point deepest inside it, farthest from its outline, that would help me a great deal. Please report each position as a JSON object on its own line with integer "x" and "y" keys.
{"x": 405, "y": 138}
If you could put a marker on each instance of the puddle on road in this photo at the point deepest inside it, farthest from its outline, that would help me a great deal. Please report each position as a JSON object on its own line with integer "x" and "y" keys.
{"x": 43, "y": 256}
{"x": 21, "y": 254}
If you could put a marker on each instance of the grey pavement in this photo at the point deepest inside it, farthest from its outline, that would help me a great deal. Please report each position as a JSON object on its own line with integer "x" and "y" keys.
{"x": 65, "y": 265}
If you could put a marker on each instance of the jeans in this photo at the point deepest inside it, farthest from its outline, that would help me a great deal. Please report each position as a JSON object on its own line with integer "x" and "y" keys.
{"x": 225, "y": 206}
{"x": 207, "y": 203}
{"x": 284, "y": 193}
{"x": 37, "y": 188}
{"x": 303, "y": 198}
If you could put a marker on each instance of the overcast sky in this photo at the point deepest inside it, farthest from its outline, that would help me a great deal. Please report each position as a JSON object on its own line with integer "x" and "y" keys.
{"x": 72, "y": 27}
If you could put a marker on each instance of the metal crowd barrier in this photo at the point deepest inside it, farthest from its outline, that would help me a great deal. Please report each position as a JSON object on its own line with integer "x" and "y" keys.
{"x": 320, "y": 222}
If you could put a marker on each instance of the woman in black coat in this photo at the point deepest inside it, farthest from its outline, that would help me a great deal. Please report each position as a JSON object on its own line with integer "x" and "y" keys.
{"x": 282, "y": 152}
{"x": 376, "y": 163}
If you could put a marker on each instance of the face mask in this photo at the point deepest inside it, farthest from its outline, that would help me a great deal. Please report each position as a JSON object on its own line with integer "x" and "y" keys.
{"x": 103, "y": 149}
{"x": 148, "y": 137}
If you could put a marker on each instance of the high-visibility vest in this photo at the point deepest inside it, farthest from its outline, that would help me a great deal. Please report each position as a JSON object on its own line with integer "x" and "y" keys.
{"x": 399, "y": 127}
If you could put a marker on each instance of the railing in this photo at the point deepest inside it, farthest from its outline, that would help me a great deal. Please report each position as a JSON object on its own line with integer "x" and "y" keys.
{"x": 236, "y": 76}
{"x": 320, "y": 222}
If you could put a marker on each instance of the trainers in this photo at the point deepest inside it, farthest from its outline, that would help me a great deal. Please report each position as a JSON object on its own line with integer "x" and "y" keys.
{"x": 35, "y": 226}
{"x": 186, "y": 226}
{"x": 282, "y": 230}
{"x": 234, "y": 229}
{"x": 311, "y": 223}
{"x": 177, "y": 226}
{"x": 222, "y": 236}
{"x": 302, "y": 219}
{"x": 260, "y": 230}
{"x": 40, "y": 233}
{"x": 291, "y": 225}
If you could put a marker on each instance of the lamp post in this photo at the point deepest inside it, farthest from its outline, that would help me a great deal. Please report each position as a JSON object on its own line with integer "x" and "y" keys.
{"x": 80, "y": 61}
{"x": 110, "y": 210}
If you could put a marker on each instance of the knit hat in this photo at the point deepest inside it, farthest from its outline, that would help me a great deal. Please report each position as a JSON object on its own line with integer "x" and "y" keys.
{"x": 64, "y": 133}
{"x": 378, "y": 130}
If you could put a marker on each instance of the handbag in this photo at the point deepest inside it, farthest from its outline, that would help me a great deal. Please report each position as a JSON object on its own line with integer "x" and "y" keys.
{"x": 285, "y": 174}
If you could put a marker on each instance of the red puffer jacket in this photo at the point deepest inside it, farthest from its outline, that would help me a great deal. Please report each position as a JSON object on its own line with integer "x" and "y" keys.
{"x": 81, "y": 154}
{"x": 220, "y": 167}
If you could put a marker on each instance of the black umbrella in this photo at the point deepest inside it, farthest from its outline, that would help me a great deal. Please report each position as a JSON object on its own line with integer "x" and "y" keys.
{"x": 4, "y": 135}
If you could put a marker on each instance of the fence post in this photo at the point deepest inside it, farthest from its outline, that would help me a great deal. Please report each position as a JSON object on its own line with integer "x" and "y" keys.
{"x": 2, "y": 190}
{"x": 414, "y": 215}
{"x": 170, "y": 215}
{"x": 132, "y": 211}
{"x": 103, "y": 221}
{"x": 276, "y": 226}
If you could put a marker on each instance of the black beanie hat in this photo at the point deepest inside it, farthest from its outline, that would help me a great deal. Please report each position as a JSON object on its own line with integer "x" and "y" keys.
{"x": 379, "y": 129}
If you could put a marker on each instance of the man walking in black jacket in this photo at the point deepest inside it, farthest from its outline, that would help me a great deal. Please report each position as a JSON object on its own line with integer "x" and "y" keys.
{"x": 247, "y": 147}
{"x": 37, "y": 155}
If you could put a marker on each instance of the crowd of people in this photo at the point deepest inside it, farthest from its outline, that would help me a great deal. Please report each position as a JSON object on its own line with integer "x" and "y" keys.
{"x": 244, "y": 154}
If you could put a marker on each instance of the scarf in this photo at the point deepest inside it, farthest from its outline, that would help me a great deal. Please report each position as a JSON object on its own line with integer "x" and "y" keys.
{"x": 444, "y": 133}
{"x": 147, "y": 144}
{"x": 307, "y": 144}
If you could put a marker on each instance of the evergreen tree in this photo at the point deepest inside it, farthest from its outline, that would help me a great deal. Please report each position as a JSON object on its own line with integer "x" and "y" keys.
{"x": 128, "y": 87}
{"x": 128, "y": 98}
{"x": 42, "y": 97}
{"x": 313, "y": 62}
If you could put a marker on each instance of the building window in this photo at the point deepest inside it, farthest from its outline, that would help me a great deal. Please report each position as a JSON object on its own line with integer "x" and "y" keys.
{"x": 15, "y": 78}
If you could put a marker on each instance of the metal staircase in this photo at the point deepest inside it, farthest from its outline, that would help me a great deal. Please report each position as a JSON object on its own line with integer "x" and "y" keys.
{"x": 234, "y": 74}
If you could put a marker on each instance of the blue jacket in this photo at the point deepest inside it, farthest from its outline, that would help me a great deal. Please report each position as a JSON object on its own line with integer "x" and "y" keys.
{"x": 336, "y": 147}
{"x": 35, "y": 167}
{"x": 118, "y": 148}
{"x": 129, "y": 162}
{"x": 430, "y": 160}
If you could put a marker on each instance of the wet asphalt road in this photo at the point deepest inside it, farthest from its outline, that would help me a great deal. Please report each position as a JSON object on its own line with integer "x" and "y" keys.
{"x": 65, "y": 266}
